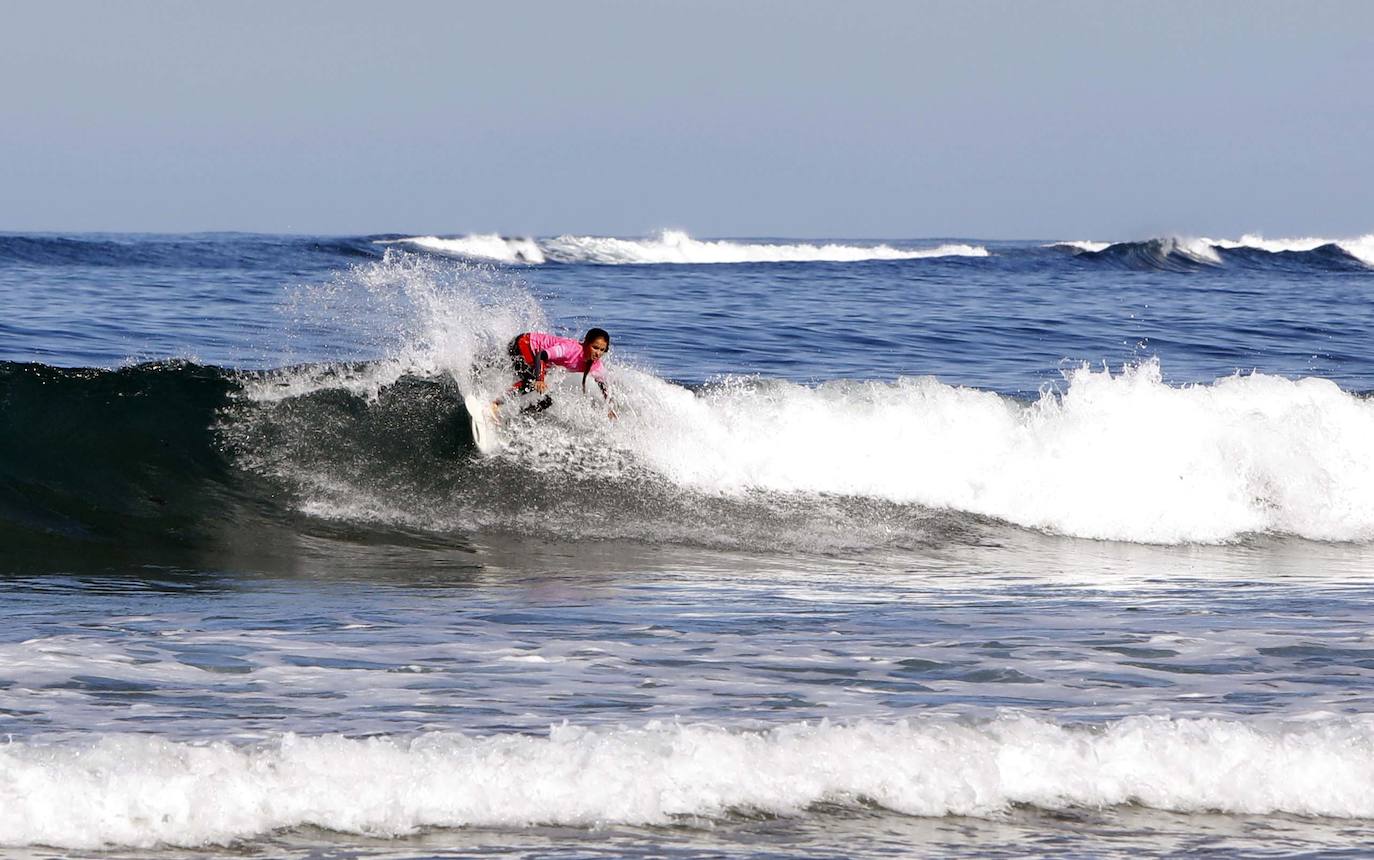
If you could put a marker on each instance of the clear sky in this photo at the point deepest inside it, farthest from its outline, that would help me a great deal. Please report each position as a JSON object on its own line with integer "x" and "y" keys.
{"x": 1073, "y": 120}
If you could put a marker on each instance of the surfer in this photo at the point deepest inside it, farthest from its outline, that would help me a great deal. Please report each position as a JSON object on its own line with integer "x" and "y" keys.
{"x": 531, "y": 354}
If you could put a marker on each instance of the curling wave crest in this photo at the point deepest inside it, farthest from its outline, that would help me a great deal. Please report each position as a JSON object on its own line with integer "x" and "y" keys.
{"x": 142, "y": 791}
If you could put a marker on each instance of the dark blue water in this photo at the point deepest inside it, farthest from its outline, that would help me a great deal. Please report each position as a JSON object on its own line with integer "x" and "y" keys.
{"x": 1008, "y": 322}
{"x": 921, "y": 547}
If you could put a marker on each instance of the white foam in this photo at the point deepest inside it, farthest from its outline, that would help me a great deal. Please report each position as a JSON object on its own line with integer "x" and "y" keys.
{"x": 1116, "y": 456}
{"x": 1361, "y": 248}
{"x": 1200, "y": 250}
{"x": 141, "y": 791}
{"x": 675, "y": 246}
{"x": 669, "y": 246}
{"x": 1082, "y": 245}
{"x": 482, "y": 246}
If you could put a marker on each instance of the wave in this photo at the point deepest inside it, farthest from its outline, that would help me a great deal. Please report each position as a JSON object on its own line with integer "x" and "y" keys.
{"x": 140, "y": 791}
{"x": 1189, "y": 254}
{"x": 160, "y": 457}
{"x": 672, "y": 246}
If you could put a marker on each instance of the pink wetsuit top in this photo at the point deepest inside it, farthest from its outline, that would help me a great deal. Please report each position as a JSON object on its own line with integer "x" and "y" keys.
{"x": 566, "y": 353}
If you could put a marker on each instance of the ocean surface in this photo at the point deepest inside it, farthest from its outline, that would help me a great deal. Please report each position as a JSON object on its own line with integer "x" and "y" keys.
{"x": 935, "y": 548}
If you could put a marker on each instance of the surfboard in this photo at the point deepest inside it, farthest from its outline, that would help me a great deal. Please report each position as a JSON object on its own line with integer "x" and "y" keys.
{"x": 485, "y": 434}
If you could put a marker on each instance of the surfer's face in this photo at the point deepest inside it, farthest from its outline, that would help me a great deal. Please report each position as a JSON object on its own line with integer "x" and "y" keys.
{"x": 596, "y": 348}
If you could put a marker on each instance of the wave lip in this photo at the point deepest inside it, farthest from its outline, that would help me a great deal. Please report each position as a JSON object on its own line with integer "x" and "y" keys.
{"x": 140, "y": 791}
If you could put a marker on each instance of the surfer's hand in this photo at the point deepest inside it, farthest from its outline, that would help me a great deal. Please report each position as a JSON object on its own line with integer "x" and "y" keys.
{"x": 610, "y": 413}
{"x": 541, "y": 386}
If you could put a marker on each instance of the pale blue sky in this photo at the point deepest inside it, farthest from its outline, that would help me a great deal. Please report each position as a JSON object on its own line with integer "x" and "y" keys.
{"x": 846, "y": 119}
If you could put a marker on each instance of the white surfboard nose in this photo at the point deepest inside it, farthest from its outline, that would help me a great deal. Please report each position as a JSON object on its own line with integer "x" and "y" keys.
{"x": 482, "y": 422}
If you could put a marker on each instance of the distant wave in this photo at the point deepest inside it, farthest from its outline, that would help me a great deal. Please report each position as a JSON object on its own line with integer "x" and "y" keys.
{"x": 181, "y": 251}
{"x": 1185, "y": 253}
{"x": 1082, "y": 245}
{"x": 1361, "y": 248}
{"x": 672, "y": 246}
{"x": 116, "y": 790}
{"x": 483, "y": 246}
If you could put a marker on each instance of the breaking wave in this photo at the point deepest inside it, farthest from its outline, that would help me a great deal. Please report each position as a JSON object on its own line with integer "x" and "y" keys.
{"x": 165, "y": 452}
{"x": 143, "y": 791}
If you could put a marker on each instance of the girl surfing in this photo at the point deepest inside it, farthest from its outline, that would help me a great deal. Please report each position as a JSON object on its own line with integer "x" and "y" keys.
{"x": 533, "y": 352}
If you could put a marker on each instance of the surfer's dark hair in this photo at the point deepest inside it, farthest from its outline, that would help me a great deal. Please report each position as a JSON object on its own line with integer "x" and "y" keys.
{"x": 593, "y": 334}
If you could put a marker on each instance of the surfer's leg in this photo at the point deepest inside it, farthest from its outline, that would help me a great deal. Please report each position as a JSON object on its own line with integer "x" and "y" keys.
{"x": 520, "y": 362}
{"x": 544, "y": 403}
{"x": 524, "y": 374}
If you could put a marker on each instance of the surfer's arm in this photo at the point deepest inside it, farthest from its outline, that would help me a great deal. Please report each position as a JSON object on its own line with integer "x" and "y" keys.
{"x": 606, "y": 393}
{"x": 540, "y": 358}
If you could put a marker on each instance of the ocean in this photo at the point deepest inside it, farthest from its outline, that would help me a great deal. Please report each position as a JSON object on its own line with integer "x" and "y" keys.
{"x": 939, "y": 548}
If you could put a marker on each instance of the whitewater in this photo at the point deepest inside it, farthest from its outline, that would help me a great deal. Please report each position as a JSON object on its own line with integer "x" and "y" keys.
{"x": 673, "y": 246}
{"x": 142, "y": 792}
{"x": 928, "y": 546}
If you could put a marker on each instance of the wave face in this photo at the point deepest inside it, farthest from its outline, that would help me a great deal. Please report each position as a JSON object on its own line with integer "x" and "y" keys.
{"x": 672, "y": 246}
{"x": 1179, "y": 254}
{"x": 141, "y": 791}
{"x": 107, "y": 459}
